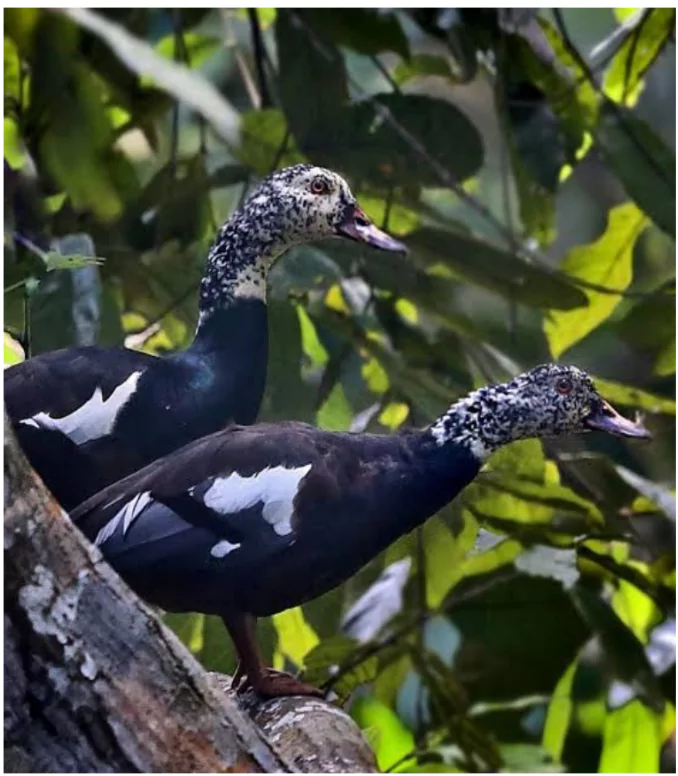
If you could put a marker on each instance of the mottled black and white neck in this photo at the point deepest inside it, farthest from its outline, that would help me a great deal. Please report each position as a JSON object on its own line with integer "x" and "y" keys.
{"x": 547, "y": 401}
{"x": 295, "y": 205}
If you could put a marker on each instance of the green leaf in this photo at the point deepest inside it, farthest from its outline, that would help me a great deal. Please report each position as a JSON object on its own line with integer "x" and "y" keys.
{"x": 394, "y": 415}
{"x": 336, "y": 413}
{"x": 487, "y": 561}
{"x": 312, "y": 112}
{"x": 15, "y": 154}
{"x": 657, "y": 494}
{"x": 54, "y": 261}
{"x": 444, "y": 554}
{"x": 625, "y": 655}
{"x": 630, "y": 396}
{"x": 421, "y": 65}
{"x": 366, "y": 31}
{"x": 198, "y": 48}
{"x": 666, "y": 360}
{"x": 497, "y": 270}
{"x": 631, "y": 740}
{"x": 389, "y": 738}
{"x": 642, "y": 161}
{"x": 374, "y": 142}
{"x": 296, "y": 638}
{"x": 606, "y": 262}
{"x": 623, "y": 81}
{"x": 263, "y": 135}
{"x": 175, "y": 79}
{"x": 13, "y": 353}
{"x": 559, "y": 714}
{"x": 650, "y": 326}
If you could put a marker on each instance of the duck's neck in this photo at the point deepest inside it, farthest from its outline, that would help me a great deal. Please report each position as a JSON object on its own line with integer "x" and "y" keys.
{"x": 239, "y": 260}
{"x": 487, "y": 419}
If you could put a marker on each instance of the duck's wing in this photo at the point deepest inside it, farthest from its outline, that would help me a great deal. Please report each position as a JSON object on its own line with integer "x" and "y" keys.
{"x": 219, "y": 505}
{"x": 62, "y": 403}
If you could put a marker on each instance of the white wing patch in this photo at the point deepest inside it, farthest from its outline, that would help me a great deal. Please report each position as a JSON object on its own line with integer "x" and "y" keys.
{"x": 222, "y": 548}
{"x": 276, "y": 487}
{"x": 94, "y": 419}
{"x": 127, "y": 514}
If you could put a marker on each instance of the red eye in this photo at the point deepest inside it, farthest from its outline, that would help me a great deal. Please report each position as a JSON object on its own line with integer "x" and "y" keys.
{"x": 564, "y": 385}
{"x": 319, "y": 186}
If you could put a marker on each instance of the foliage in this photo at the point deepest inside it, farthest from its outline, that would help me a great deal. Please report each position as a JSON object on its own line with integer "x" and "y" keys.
{"x": 535, "y": 189}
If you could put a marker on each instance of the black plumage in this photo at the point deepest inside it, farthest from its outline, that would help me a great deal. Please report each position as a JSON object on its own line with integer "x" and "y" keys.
{"x": 120, "y": 409}
{"x": 251, "y": 521}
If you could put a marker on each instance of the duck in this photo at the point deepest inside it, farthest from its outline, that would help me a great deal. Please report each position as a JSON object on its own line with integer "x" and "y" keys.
{"x": 89, "y": 416}
{"x": 253, "y": 520}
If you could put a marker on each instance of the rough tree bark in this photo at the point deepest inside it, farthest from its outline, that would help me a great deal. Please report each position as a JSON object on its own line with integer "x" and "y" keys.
{"x": 94, "y": 682}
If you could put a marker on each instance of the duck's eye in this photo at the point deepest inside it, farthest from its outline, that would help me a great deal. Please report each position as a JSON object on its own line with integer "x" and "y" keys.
{"x": 564, "y": 385}
{"x": 319, "y": 186}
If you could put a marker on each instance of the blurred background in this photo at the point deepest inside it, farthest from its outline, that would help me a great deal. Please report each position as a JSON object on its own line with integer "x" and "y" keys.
{"x": 527, "y": 158}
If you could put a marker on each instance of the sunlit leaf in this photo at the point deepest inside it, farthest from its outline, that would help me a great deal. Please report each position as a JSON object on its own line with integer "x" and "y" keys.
{"x": 631, "y": 740}
{"x": 389, "y": 738}
{"x": 606, "y": 262}
{"x": 658, "y": 494}
{"x": 559, "y": 714}
{"x": 296, "y": 638}
{"x": 15, "y": 153}
{"x": 336, "y": 413}
{"x": 13, "y": 353}
{"x": 394, "y": 415}
{"x": 623, "y": 78}
{"x": 444, "y": 554}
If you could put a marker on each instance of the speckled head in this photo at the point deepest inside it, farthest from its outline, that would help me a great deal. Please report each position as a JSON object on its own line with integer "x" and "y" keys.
{"x": 297, "y": 204}
{"x": 547, "y": 401}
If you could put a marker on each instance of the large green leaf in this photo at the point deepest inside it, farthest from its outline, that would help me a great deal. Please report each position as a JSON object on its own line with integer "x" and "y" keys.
{"x": 606, "y": 262}
{"x": 313, "y": 112}
{"x": 496, "y": 269}
{"x": 650, "y": 326}
{"x": 642, "y": 161}
{"x": 383, "y": 140}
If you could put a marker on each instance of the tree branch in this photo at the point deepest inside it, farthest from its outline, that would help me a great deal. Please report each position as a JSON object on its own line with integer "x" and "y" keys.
{"x": 95, "y": 682}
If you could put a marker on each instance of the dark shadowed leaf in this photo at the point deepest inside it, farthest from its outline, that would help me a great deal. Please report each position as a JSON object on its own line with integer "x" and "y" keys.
{"x": 642, "y": 161}
{"x": 366, "y": 31}
{"x": 624, "y": 653}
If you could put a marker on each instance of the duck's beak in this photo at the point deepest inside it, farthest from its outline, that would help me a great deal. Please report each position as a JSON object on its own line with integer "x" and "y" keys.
{"x": 606, "y": 418}
{"x": 357, "y": 226}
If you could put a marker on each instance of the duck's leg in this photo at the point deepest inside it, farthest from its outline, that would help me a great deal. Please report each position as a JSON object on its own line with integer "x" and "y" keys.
{"x": 251, "y": 671}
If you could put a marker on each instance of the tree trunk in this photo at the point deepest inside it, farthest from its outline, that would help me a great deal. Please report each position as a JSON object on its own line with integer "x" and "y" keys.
{"x": 94, "y": 682}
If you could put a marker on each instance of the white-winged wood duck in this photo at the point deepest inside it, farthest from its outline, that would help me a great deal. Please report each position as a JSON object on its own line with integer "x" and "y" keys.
{"x": 253, "y": 520}
{"x": 88, "y": 416}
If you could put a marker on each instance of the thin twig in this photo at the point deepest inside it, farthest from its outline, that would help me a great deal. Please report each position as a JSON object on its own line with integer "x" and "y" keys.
{"x": 259, "y": 58}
